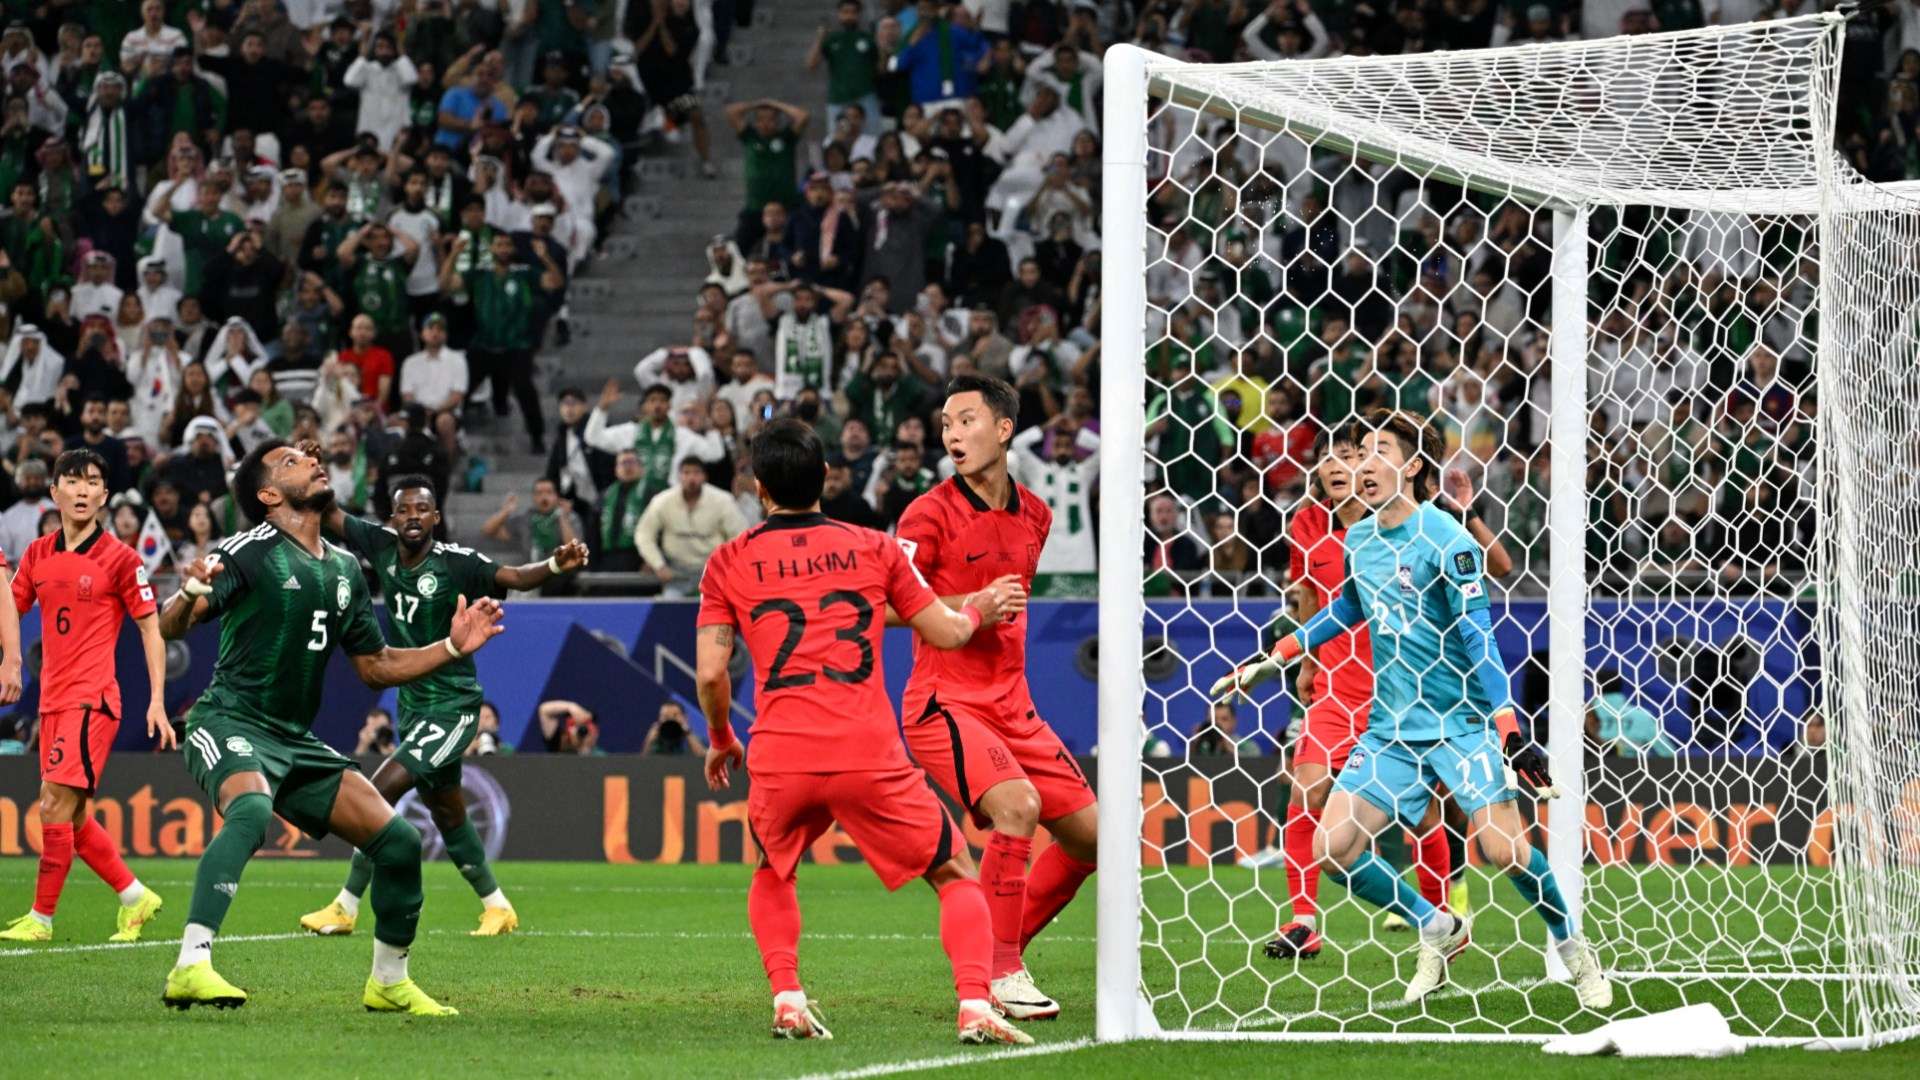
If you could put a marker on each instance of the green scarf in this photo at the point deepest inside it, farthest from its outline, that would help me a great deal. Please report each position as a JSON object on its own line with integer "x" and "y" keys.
{"x": 621, "y": 514}
{"x": 544, "y": 532}
{"x": 655, "y": 445}
{"x": 943, "y": 35}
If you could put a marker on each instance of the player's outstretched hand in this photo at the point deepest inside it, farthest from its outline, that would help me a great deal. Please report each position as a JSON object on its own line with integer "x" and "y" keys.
{"x": 474, "y": 624}
{"x": 10, "y": 680}
{"x": 1238, "y": 682}
{"x": 570, "y": 556}
{"x": 160, "y": 726}
{"x": 196, "y": 578}
{"x": 1526, "y": 768}
{"x": 719, "y": 759}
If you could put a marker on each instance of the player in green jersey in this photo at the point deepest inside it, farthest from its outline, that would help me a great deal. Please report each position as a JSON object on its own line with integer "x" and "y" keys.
{"x": 440, "y": 714}
{"x": 286, "y": 599}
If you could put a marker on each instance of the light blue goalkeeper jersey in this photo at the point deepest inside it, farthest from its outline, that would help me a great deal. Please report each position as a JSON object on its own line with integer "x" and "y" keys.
{"x": 1421, "y": 588}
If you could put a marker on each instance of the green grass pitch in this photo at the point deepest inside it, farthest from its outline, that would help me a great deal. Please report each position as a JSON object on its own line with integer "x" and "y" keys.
{"x": 650, "y": 971}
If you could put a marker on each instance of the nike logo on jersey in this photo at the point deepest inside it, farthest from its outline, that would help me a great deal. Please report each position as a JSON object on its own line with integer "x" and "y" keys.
{"x": 1322, "y": 564}
{"x": 977, "y": 558}
{"x": 291, "y": 582}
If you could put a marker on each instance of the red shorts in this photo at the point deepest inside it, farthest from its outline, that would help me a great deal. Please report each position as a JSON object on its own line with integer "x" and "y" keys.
{"x": 74, "y": 744}
{"x": 1329, "y": 735}
{"x": 894, "y": 818}
{"x": 967, "y": 750}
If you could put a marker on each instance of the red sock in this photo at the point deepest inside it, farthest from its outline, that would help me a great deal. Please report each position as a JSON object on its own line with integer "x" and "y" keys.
{"x": 1432, "y": 864}
{"x": 97, "y": 850}
{"x": 966, "y": 932}
{"x": 56, "y": 858}
{"x": 773, "y": 910}
{"x": 1003, "y": 876}
{"x": 1055, "y": 877}
{"x": 1303, "y": 872}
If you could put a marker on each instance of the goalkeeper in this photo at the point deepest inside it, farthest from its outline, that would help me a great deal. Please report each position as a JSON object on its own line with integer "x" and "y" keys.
{"x": 1441, "y": 693}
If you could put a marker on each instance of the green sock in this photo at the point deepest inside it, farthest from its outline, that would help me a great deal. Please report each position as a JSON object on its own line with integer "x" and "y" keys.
{"x": 359, "y": 874}
{"x": 395, "y": 854}
{"x": 470, "y": 855}
{"x": 218, "y": 876}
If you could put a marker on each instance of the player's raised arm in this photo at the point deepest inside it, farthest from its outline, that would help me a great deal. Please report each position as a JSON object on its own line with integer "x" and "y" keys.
{"x": 1473, "y": 627}
{"x": 1343, "y": 614}
{"x": 566, "y": 559}
{"x": 474, "y": 625}
{"x": 193, "y": 602}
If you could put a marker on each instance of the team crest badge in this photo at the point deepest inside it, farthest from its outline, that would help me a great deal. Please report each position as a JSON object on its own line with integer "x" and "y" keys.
{"x": 342, "y": 593}
{"x": 86, "y": 586}
{"x": 239, "y": 745}
{"x": 1356, "y": 757}
{"x": 428, "y": 584}
{"x": 1405, "y": 574}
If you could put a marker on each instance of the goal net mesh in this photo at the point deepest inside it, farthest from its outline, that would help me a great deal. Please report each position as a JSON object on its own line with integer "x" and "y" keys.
{"x": 1331, "y": 237}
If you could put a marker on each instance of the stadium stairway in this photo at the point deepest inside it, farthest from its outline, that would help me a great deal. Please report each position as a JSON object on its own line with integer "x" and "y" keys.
{"x": 640, "y": 294}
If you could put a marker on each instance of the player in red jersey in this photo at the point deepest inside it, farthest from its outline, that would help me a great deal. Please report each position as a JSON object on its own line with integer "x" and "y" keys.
{"x": 1337, "y": 686}
{"x": 811, "y": 595}
{"x": 85, "y": 582}
{"x": 970, "y": 719}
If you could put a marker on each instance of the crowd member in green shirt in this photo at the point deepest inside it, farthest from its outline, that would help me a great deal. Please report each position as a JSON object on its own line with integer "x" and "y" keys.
{"x": 32, "y": 243}
{"x": 505, "y": 301}
{"x": 205, "y": 231}
{"x": 851, "y": 58}
{"x": 377, "y": 283}
{"x": 771, "y": 133}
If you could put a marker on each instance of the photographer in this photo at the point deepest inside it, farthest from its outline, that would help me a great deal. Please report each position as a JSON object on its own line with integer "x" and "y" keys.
{"x": 569, "y": 728}
{"x": 376, "y": 733}
{"x": 669, "y": 736}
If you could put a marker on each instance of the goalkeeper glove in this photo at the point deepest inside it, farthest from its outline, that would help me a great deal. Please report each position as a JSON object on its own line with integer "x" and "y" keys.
{"x": 1526, "y": 766}
{"x": 1240, "y": 680}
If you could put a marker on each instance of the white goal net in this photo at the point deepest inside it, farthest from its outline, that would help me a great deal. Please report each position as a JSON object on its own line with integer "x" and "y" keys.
{"x": 1670, "y": 344}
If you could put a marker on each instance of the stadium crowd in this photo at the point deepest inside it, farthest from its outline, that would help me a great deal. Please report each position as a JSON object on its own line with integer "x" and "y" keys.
{"x": 357, "y": 221}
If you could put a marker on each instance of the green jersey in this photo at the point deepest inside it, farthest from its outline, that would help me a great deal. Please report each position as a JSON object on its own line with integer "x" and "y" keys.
{"x": 380, "y": 290}
{"x": 282, "y": 611}
{"x": 203, "y": 236}
{"x": 503, "y": 309}
{"x": 420, "y": 604}
{"x": 850, "y": 60}
{"x": 769, "y": 166}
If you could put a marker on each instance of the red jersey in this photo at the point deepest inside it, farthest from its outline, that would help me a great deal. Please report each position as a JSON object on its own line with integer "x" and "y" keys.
{"x": 810, "y": 597}
{"x": 1317, "y": 554}
{"x": 373, "y": 364}
{"x": 960, "y": 545}
{"x": 84, "y": 594}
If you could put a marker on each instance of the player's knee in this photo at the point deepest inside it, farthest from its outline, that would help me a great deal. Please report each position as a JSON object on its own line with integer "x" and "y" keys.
{"x": 397, "y": 844}
{"x": 447, "y": 818}
{"x": 1015, "y": 808}
{"x": 248, "y": 816}
{"x": 1501, "y": 851}
{"x": 58, "y": 803}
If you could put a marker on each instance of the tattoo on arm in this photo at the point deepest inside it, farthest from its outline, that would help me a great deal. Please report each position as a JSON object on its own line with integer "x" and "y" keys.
{"x": 722, "y": 635}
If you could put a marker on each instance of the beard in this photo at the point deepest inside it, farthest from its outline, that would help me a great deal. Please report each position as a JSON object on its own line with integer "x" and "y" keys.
{"x": 413, "y": 548}
{"x": 312, "y": 501}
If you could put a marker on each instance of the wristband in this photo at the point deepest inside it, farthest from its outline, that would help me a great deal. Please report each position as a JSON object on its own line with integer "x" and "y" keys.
{"x": 1287, "y": 648}
{"x": 973, "y": 615}
{"x": 553, "y": 566}
{"x": 452, "y": 650}
{"x": 194, "y": 587}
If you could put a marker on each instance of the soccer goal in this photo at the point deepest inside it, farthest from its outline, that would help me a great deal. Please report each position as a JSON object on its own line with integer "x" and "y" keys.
{"x": 1673, "y": 343}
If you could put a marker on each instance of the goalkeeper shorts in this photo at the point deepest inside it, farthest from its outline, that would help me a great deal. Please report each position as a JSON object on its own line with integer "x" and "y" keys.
{"x": 1399, "y": 776}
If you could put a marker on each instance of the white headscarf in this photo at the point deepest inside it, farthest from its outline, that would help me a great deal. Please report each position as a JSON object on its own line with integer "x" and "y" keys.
{"x": 210, "y": 426}
{"x": 155, "y": 376}
{"x": 219, "y": 364}
{"x": 41, "y": 379}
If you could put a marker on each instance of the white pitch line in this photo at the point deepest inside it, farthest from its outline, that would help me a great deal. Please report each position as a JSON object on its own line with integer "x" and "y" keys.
{"x": 640, "y": 935}
{"x": 890, "y": 1068}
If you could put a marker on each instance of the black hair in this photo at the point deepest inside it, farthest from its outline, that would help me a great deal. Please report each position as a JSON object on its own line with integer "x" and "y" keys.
{"x": 694, "y": 460}
{"x": 790, "y": 462}
{"x": 77, "y": 462}
{"x": 657, "y": 388}
{"x": 250, "y": 476}
{"x": 1419, "y": 441}
{"x": 413, "y": 480}
{"x": 572, "y": 392}
{"x": 999, "y": 395}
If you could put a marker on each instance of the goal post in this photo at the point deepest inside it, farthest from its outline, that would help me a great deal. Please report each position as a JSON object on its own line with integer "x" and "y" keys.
{"x": 1669, "y": 339}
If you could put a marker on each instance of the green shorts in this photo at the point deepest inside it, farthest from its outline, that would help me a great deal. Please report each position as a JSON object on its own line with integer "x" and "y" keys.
{"x": 431, "y": 746}
{"x": 302, "y": 772}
